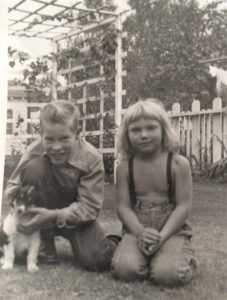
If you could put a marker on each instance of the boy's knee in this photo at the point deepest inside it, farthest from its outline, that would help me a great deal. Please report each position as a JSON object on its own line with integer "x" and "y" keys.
{"x": 95, "y": 257}
{"x": 94, "y": 261}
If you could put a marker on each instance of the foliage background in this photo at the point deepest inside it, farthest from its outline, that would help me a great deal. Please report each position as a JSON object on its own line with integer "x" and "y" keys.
{"x": 167, "y": 40}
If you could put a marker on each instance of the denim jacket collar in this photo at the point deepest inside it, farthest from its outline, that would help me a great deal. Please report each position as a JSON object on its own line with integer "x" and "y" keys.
{"x": 78, "y": 157}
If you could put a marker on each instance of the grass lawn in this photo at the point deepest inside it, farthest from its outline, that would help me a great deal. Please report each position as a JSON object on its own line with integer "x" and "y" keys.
{"x": 68, "y": 281}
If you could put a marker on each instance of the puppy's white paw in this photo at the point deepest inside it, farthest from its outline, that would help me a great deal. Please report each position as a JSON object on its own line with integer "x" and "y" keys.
{"x": 7, "y": 266}
{"x": 32, "y": 268}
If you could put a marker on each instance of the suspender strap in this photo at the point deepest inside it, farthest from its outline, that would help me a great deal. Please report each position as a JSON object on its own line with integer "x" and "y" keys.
{"x": 131, "y": 181}
{"x": 171, "y": 189}
{"x": 169, "y": 177}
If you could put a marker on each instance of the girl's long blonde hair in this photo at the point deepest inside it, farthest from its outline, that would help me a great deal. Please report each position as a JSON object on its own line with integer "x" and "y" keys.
{"x": 146, "y": 109}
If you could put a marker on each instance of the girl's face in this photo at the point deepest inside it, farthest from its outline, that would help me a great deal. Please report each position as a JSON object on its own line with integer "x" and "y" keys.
{"x": 58, "y": 140}
{"x": 145, "y": 136}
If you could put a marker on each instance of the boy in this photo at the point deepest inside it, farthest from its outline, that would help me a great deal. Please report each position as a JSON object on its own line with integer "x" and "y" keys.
{"x": 68, "y": 172}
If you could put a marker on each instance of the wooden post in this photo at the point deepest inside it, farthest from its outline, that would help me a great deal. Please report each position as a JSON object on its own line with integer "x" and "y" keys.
{"x": 101, "y": 112}
{"x": 118, "y": 84}
{"x": 54, "y": 74}
{"x": 208, "y": 138}
{"x": 182, "y": 131}
{"x": 196, "y": 130}
{"x": 69, "y": 44}
{"x": 203, "y": 140}
{"x": 217, "y": 130}
{"x": 176, "y": 121}
{"x": 3, "y": 88}
{"x": 188, "y": 136}
{"x": 225, "y": 129}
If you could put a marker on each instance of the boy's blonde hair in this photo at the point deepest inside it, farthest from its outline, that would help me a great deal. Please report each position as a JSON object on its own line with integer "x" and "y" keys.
{"x": 60, "y": 112}
{"x": 146, "y": 109}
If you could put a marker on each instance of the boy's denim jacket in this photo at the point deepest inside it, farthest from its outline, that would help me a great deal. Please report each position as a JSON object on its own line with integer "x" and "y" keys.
{"x": 90, "y": 185}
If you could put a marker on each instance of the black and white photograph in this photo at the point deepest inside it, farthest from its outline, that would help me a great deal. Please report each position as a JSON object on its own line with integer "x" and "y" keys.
{"x": 113, "y": 157}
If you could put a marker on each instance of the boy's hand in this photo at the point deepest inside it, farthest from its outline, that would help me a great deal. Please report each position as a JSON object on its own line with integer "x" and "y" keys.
{"x": 43, "y": 218}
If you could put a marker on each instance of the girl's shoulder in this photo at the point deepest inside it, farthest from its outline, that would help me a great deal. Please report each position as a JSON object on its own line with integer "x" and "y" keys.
{"x": 180, "y": 163}
{"x": 179, "y": 158}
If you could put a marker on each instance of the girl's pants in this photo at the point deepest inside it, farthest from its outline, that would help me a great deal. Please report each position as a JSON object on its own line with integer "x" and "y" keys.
{"x": 91, "y": 248}
{"x": 172, "y": 265}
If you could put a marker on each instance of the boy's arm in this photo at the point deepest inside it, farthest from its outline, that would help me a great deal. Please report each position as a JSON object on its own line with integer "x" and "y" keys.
{"x": 183, "y": 197}
{"x": 90, "y": 198}
{"x": 124, "y": 208}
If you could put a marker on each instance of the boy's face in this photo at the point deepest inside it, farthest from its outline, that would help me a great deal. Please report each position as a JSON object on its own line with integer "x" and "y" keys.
{"x": 58, "y": 140}
{"x": 145, "y": 136}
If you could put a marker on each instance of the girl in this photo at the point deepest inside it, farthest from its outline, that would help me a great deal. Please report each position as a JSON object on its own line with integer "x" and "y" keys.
{"x": 154, "y": 197}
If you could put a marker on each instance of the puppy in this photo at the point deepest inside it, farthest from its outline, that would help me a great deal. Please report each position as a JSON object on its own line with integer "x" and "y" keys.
{"x": 16, "y": 242}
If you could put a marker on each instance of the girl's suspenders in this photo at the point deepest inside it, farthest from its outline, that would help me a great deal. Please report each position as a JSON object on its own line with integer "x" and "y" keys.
{"x": 171, "y": 189}
{"x": 131, "y": 182}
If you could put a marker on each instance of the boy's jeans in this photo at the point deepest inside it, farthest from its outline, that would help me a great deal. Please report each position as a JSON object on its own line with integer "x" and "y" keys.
{"x": 173, "y": 264}
{"x": 91, "y": 249}
{"x": 89, "y": 244}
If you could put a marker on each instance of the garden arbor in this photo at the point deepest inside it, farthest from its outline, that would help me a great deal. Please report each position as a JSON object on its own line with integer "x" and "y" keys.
{"x": 88, "y": 53}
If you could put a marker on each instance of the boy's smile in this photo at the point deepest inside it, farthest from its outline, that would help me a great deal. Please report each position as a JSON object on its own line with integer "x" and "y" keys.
{"x": 58, "y": 141}
{"x": 145, "y": 136}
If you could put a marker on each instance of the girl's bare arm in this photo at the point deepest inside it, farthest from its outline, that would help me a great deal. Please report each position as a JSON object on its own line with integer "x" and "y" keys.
{"x": 183, "y": 197}
{"x": 124, "y": 207}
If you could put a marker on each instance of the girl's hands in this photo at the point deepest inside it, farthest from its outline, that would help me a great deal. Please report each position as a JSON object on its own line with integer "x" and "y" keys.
{"x": 149, "y": 241}
{"x": 43, "y": 218}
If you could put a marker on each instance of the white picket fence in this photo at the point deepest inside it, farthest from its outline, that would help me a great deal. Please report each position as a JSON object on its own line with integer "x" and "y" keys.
{"x": 203, "y": 133}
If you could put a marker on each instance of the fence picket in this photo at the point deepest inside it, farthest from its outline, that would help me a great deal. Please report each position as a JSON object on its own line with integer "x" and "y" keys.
{"x": 208, "y": 138}
{"x": 203, "y": 140}
{"x": 188, "y": 137}
{"x": 224, "y": 118}
{"x": 195, "y": 139}
{"x": 217, "y": 130}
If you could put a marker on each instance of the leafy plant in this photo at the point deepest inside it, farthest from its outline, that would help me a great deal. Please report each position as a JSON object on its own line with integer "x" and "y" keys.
{"x": 208, "y": 171}
{"x": 218, "y": 170}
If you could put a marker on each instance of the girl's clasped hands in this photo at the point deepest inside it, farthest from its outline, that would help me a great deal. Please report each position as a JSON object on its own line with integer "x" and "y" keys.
{"x": 149, "y": 241}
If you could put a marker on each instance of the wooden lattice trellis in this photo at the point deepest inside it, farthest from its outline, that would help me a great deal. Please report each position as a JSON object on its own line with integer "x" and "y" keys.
{"x": 45, "y": 18}
{"x": 57, "y": 21}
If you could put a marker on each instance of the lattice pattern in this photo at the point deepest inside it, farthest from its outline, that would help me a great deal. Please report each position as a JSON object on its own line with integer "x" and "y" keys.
{"x": 49, "y": 18}
{"x": 60, "y": 21}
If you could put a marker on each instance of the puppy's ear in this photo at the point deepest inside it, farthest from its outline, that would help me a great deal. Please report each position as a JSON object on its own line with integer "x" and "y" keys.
{"x": 30, "y": 190}
{"x": 12, "y": 203}
{"x": 13, "y": 194}
{"x": 3, "y": 238}
{"x": 34, "y": 196}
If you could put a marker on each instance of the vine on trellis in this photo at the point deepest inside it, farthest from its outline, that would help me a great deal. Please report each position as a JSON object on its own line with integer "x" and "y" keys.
{"x": 93, "y": 52}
